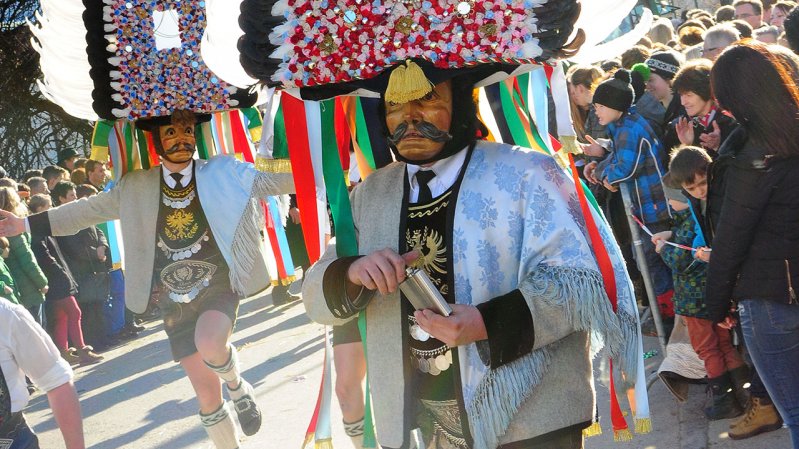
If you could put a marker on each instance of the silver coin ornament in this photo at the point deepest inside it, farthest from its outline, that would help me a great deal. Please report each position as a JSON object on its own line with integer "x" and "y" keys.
{"x": 424, "y": 365}
{"x": 442, "y": 363}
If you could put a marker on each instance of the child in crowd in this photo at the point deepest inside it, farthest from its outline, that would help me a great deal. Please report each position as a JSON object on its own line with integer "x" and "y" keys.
{"x": 689, "y": 169}
{"x": 712, "y": 343}
{"x": 634, "y": 160}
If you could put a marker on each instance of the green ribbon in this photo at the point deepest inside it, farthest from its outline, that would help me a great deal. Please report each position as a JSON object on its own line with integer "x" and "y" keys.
{"x": 369, "y": 439}
{"x": 202, "y": 145}
{"x": 512, "y": 118}
{"x": 129, "y": 146}
{"x": 362, "y": 135}
{"x": 144, "y": 152}
{"x": 102, "y": 129}
{"x": 281, "y": 146}
{"x": 337, "y": 195}
{"x": 253, "y": 117}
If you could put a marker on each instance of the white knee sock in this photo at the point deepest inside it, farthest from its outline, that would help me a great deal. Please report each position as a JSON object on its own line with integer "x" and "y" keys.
{"x": 221, "y": 428}
{"x": 228, "y": 371}
{"x": 244, "y": 389}
{"x": 355, "y": 432}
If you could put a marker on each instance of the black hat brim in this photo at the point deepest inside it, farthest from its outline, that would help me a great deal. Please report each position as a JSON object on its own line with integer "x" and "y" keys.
{"x": 151, "y": 124}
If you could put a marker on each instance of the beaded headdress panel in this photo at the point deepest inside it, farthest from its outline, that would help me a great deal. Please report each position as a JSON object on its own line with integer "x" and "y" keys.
{"x": 128, "y": 59}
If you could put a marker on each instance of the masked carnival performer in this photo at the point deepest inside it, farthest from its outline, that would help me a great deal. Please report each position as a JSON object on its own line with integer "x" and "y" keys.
{"x": 191, "y": 227}
{"x": 498, "y": 229}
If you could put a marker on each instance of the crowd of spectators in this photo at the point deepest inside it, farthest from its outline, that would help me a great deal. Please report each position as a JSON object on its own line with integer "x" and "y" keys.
{"x": 66, "y": 283}
{"x": 686, "y": 121}
{"x": 708, "y": 166}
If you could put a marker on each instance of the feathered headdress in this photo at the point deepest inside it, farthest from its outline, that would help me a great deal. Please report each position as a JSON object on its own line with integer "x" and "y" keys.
{"x": 128, "y": 59}
{"x": 332, "y": 48}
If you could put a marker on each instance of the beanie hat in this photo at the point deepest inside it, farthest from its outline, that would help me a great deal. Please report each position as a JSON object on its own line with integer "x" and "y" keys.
{"x": 638, "y": 83}
{"x": 665, "y": 64}
{"x": 616, "y": 93}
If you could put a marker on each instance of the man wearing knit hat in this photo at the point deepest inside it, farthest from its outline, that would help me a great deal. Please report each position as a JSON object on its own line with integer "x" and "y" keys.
{"x": 663, "y": 66}
{"x": 635, "y": 159}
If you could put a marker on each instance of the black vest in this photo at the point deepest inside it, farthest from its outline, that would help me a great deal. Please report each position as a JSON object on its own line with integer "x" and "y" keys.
{"x": 435, "y": 378}
{"x": 187, "y": 258}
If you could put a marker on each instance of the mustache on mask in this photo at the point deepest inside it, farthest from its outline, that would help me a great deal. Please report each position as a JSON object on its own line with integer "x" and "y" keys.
{"x": 426, "y": 129}
{"x": 180, "y": 147}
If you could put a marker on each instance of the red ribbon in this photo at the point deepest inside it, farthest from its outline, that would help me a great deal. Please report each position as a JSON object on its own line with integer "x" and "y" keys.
{"x": 272, "y": 234}
{"x": 606, "y": 268}
{"x": 302, "y": 168}
{"x": 240, "y": 142}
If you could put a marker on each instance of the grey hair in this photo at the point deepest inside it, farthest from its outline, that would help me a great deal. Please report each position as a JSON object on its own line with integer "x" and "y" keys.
{"x": 724, "y": 32}
{"x": 774, "y": 31}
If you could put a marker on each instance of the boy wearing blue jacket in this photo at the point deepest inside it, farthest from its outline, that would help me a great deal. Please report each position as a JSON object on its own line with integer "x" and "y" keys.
{"x": 634, "y": 159}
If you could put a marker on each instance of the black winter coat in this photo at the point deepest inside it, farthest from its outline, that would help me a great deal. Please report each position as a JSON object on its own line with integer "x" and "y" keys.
{"x": 756, "y": 245}
{"x": 51, "y": 261}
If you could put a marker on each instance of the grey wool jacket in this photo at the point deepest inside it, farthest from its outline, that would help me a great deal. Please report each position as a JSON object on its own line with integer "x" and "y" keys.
{"x": 229, "y": 191}
{"x": 560, "y": 361}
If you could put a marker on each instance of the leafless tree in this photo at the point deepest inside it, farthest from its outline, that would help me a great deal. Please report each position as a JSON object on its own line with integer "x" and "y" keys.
{"x": 32, "y": 129}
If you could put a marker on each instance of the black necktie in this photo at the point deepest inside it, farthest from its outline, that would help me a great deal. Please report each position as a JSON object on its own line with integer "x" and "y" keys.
{"x": 177, "y": 177}
{"x": 423, "y": 177}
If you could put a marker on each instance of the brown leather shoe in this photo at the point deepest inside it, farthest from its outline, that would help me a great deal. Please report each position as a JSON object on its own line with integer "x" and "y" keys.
{"x": 88, "y": 357}
{"x": 70, "y": 356}
{"x": 757, "y": 419}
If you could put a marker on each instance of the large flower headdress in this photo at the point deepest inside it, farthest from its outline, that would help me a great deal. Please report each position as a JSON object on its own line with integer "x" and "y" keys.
{"x": 335, "y": 47}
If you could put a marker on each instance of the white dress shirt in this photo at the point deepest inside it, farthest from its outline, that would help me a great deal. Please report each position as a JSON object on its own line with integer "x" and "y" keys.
{"x": 187, "y": 173}
{"x": 446, "y": 171}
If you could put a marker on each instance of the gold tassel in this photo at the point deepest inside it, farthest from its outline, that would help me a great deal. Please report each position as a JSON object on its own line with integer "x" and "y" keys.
{"x": 407, "y": 83}
{"x": 327, "y": 443}
{"x": 275, "y": 283}
{"x": 643, "y": 425}
{"x": 592, "y": 430}
{"x": 288, "y": 280}
{"x": 272, "y": 165}
{"x": 622, "y": 435}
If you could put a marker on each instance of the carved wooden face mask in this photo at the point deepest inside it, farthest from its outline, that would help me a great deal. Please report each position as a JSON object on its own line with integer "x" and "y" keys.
{"x": 177, "y": 141}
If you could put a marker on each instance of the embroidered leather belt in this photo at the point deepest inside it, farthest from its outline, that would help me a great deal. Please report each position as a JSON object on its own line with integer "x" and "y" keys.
{"x": 446, "y": 416}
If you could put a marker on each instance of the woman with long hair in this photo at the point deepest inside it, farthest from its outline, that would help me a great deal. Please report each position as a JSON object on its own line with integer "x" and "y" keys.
{"x": 755, "y": 259}
{"x": 581, "y": 82}
{"x": 29, "y": 280}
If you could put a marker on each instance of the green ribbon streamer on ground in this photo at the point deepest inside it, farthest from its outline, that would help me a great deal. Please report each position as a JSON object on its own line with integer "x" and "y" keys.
{"x": 362, "y": 135}
{"x": 337, "y": 195}
{"x": 281, "y": 146}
